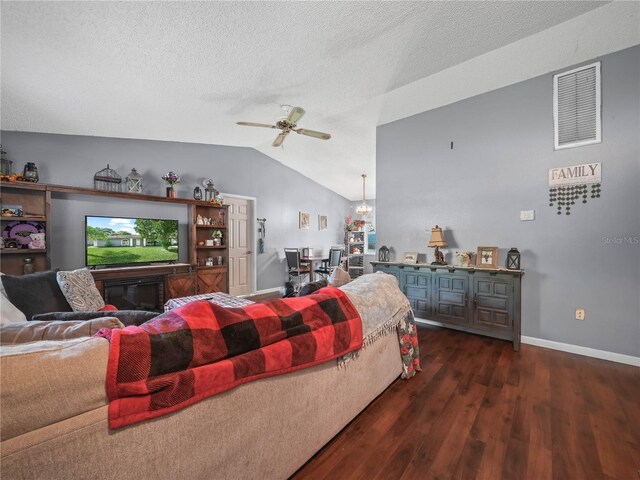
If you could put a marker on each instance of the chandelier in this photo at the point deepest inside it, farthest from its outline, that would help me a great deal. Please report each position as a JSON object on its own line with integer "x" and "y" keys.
{"x": 363, "y": 208}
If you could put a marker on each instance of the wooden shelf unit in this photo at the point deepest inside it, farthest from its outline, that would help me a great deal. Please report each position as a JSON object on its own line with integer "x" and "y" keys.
{"x": 211, "y": 278}
{"x": 35, "y": 199}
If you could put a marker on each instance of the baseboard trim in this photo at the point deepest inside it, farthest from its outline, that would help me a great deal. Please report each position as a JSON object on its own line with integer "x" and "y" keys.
{"x": 564, "y": 347}
{"x": 266, "y": 290}
{"x": 579, "y": 350}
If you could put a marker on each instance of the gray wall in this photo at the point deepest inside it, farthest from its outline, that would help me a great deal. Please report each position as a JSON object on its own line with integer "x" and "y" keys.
{"x": 503, "y": 148}
{"x": 280, "y": 191}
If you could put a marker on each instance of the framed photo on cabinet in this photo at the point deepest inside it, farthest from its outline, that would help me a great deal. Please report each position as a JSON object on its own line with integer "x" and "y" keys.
{"x": 410, "y": 258}
{"x": 487, "y": 257}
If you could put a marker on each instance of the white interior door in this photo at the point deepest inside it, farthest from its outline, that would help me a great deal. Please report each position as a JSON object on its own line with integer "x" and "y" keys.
{"x": 240, "y": 249}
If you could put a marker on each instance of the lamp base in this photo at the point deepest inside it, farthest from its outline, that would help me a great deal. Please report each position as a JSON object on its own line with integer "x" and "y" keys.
{"x": 439, "y": 257}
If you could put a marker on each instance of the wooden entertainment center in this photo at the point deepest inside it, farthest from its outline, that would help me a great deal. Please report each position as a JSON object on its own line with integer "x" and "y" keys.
{"x": 207, "y": 268}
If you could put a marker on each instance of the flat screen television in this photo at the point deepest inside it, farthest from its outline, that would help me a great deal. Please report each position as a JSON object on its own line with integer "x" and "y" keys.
{"x": 111, "y": 241}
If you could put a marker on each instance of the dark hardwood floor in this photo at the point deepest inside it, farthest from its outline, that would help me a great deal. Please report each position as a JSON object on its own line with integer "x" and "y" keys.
{"x": 479, "y": 410}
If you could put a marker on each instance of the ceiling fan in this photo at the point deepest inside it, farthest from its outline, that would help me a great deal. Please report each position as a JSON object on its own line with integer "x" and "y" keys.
{"x": 288, "y": 124}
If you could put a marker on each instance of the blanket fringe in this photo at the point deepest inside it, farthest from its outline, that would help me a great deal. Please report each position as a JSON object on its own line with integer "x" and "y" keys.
{"x": 382, "y": 331}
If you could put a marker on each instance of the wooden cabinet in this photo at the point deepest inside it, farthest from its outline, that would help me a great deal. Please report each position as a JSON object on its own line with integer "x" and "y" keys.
{"x": 212, "y": 279}
{"x": 481, "y": 301}
{"x": 35, "y": 204}
{"x": 180, "y": 284}
{"x": 209, "y": 247}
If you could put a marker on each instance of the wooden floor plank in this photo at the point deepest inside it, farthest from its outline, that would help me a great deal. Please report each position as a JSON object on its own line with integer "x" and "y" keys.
{"x": 479, "y": 410}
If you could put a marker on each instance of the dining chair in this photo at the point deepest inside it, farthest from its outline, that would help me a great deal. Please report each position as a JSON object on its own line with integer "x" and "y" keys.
{"x": 335, "y": 256}
{"x": 296, "y": 271}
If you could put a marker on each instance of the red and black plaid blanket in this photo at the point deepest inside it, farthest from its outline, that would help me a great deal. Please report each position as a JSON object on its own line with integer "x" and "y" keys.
{"x": 202, "y": 349}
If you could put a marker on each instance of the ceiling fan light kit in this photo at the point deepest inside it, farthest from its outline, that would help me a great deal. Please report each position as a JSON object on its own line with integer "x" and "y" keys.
{"x": 289, "y": 124}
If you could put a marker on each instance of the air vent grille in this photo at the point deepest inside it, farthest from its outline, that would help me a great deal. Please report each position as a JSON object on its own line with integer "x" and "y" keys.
{"x": 576, "y": 107}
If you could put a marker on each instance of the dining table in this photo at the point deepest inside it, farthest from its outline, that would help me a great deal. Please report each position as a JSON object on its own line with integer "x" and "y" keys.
{"x": 313, "y": 263}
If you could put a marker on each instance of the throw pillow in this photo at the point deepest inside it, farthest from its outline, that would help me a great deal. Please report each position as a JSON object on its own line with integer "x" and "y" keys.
{"x": 309, "y": 288}
{"x": 339, "y": 277}
{"x": 8, "y": 311}
{"x": 79, "y": 288}
{"x": 26, "y": 332}
{"x": 35, "y": 293}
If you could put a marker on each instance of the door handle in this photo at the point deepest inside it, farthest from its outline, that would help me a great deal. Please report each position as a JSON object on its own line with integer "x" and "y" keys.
{"x": 248, "y": 252}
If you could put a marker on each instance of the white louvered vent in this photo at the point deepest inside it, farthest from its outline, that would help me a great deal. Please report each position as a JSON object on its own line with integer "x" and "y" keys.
{"x": 576, "y": 107}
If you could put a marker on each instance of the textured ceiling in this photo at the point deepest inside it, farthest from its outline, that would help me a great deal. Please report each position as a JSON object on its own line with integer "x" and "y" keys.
{"x": 187, "y": 71}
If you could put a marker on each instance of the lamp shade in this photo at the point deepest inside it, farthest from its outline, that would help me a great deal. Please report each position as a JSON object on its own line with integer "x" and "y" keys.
{"x": 437, "y": 239}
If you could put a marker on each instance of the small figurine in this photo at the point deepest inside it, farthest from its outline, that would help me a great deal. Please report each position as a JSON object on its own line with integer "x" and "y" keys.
{"x": 199, "y": 220}
{"x": 37, "y": 241}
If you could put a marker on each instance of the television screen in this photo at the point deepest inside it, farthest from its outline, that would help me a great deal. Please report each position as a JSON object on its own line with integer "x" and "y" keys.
{"x": 130, "y": 241}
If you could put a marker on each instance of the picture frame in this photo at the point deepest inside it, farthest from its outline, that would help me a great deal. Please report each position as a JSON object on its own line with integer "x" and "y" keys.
{"x": 322, "y": 222}
{"x": 410, "y": 258}
{"x": 303, "y": 220}
{"x": 11, "y": 210}
{"x": 487, "y": 257}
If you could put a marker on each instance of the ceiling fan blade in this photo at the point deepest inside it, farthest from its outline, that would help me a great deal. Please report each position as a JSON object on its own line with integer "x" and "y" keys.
{"x": 295, "y": 114}
{"x": 279, "y": 139}
{"x": 252, "y": 124}
{"x": 313, "y": 133}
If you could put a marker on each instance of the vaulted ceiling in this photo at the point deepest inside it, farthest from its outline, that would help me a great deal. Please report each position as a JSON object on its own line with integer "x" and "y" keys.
{"x": 188, "y": 71}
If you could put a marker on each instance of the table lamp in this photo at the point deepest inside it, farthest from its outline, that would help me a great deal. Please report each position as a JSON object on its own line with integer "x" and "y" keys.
{"x": 437, "y": 241}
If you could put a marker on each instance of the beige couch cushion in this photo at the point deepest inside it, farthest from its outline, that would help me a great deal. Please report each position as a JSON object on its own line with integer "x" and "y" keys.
{"x": 46, "y": 382}
{"x": 36, "y": 331}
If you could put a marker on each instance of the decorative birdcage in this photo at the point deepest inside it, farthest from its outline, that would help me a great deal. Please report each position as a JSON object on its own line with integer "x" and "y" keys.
{"x": 107, "y": 180}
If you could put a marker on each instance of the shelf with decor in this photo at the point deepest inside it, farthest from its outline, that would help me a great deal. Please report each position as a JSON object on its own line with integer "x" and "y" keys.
{"x": 355, "y": 245}
{"x": 26, "y": 208}
{"x": 209, "y": 249}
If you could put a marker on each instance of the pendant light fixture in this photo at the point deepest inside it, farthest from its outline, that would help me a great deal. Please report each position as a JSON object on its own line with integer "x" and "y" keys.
{"x": 363, "y": 208}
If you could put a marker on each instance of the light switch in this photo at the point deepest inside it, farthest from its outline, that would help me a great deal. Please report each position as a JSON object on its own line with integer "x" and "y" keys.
{"x": 527, "y": 215}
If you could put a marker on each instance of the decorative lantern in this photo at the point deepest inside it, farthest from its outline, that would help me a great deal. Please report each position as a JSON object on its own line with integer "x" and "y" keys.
{"x": 513, "y": 259}
{"x": 197, "y": 193}
{"x": 107, "y": 180}
{"x": 30, "y": 172}
{"x": 7, "y": 165}
{"x": 383, "y": 254}
{"x": 134, "y": 181}
{"x": 210, "y": 192}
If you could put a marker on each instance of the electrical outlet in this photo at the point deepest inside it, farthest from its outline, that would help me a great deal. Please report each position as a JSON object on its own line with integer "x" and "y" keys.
{"x": 580, "y": 314}
{"x": 527, "y": 215}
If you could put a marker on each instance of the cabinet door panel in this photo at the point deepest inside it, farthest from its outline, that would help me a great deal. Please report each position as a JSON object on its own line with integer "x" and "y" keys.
{"x": 210, "y": 281}
{"x": 418, "y": 291}
{"x": 181, "y": 285}
{"x": 494, "y": 302}
{"x": 450, "y": 298}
